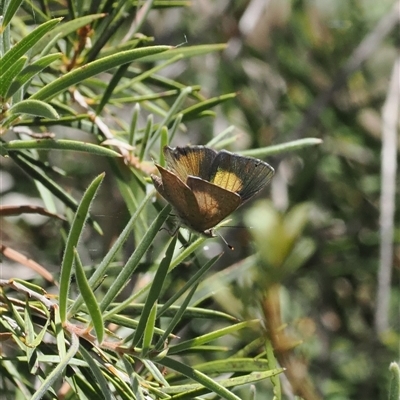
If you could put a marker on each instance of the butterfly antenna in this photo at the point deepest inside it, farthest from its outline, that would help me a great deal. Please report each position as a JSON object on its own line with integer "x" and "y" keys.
{"x": 223, "y": 239}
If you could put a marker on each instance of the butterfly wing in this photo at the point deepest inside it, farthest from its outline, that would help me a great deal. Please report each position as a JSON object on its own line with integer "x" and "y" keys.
{"x": 245, "y": 176}
{"x": 193, "y": 160}
{"x": 214, "y": 203}
{"x": 177, "y": 193}
{"x": 205, "y": 186}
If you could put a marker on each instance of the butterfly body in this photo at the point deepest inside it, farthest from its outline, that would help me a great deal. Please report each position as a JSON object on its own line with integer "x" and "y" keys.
{"x": 205, "y": 186}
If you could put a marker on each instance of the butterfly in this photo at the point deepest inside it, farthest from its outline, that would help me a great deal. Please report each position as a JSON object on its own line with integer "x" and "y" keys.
{"x": 204, "y": 186}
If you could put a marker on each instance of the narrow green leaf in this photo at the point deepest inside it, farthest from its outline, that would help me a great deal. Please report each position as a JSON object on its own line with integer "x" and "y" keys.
{"x": 30, "y": 285}
{"x": 17, "y": 378}
{"x": 96, "y": 278}
{"x": 17, "y": 319}
{"x": 60, "y": 144}
{"x": 226, "y": 143}
{"x": 281, "y": 148}
{"x": 89, "y": 298}
{"x": 5, "y": 32}
{"x": 163, "y": 142}
{"x": 195, "y": 279}
{"x": 147, "y": 131}
{"x": 147, "y": 74}
{"x": 210, "y": 285}
{"x": 98, "y": 374}
{"x": 149, "y": 330}
{"x": 94, "y": 68}
{"x": 163, "y": 82}
{"x": 200, "y": 340}
{"x": 10, "y": 75}
{"x": 31, "y": 354}
{"x": 187, "y": 252}
{"x": 132, "y": 127}
{"x": 199, "y": 377}
{"x": 32, "y": 9}
{"x": 155, "y": 291}
{"x": 142, "y": 15}
{"x": 394, "y": 391}
{"x": 190, "y": 313}
{"x": 189, "y": 391}
{"x": 130, "y": 44}
{"x": 56, "y": 373}
{"x": 72, "y": 242}
{"x": 269, "y": 350}
{"x": 25, "y": 44}
{"x": 84, "y": 387}
{"x": 60, "y": 336}
{"x": 136, "y": 387}
{"x": 110, "y": 87}
{"x": 106, "y": 28}
{"x": 130, "y": 371}
{"x": 186, "y": 52}
{"x": 176, "y": 319}
{"x": 30, "y": 71}
{"x": 49, "y": 46}
{"x": 12, "y": 8}
{"x": 173, "y": 129}
{"x": 79, "y": 121}
{"x": 39, "y": 337}
{"x": 155, "y": 372}
{"x": 36, "y": 108}
{"x": 134, "y": 260}
{"x": 64, "y": 29}
{"x": 234, "y": 365}
{"x": 129, "y": 322}
{"x": 204, "y": 106}
{"x": 169, "y": 115}
{"x": 217, "y": 139}
{"x": 122, "y": 389}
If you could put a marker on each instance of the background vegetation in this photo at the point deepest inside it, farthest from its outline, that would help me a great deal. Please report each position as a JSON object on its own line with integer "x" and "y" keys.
{"x": 312, "y": 286}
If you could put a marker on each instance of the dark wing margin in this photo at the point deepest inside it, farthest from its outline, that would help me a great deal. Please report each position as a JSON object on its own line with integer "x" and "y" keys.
{"x": 252, "y": 174}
